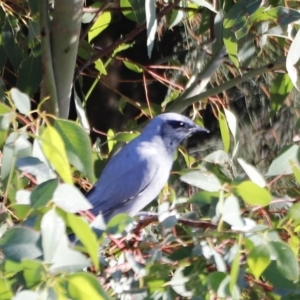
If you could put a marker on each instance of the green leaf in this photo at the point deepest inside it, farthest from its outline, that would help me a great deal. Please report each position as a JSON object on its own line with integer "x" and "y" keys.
{"x": 224, "y": 131}
{"x": 151, "y": 22}
{"x": 20, "y": 242}
{"x": 53, "y": 229}
{"x": 239, "y": 13}
{"x": 12, "y": 49}
{"x": 182, "y": 253}
{"x": 294, "y": 212}
{"x": 232, "y": 123}
{"x": 132, "y": 66}
{"x": 235, "y": 20}
{"x": 286, "y": 260}
{"x": 178, "y": 282}
{"x": 204, "y": 197}
{"x": 43, "y": 193}
{"x": 85, "y": 286}
{"x": 21, "y": 100}
{"x": 138, "y": 7}
{"x": 281, "y": 164}
{"x": 175, "y": 16}
{"x": 125, "y": 137}
{"x": 110, "y": 140}
{"x": 129, "y": 14}
{"x": 206, "y": 4}
{"x": 16, "y": 146}
{"x": 30, "y": 75}
{"x": 252, "y": 173}
{"x": 230, "y": 42}
{"x": 87, "y": 237}
{"x": 277, "y": 279}
{"x": 202, "y": 179}
{"x": 102, "y": 22}
{"x": 224, "y": 290}
{"x": 5, "y": 289}
{"x": 280, "y": 15}
{"x": 258, "y": 260}
{"x": 246, "y": 49}
{"x": 78, "y": 146}
{"x": 292, "y": 60}
{"x": 54, "y": 150}
{"x": 66, "y": 259}
{"x": 215, "y": 279}
{"x": 35, "y": 167}
{"x": 4, "y": 109}
{"x": 253, "y": 194}
{"x": 296, "y": 172}
{"x": 280, "y": 89}
{"x": 70, "y": 199}
{"x": 231, "y": 211}
{"x": 33, "y": 271}
{"x": 80, "y": 110}
{"x": 235, "y": 268}
{"x": 25, "y": 295}
{"x": 100, "y": 67}
{"x": 118, "y": 223}
{"x": 56, "y": 245}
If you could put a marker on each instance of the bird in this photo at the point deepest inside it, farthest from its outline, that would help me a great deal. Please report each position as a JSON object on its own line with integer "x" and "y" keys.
{"x": 134, "y": 176}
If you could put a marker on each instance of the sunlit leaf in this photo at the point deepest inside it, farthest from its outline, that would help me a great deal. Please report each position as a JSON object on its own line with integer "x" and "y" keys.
{"x": 77, "y": 145}
{"x": 281, "y": 164}
{"x": 100, "y": 67}
{"x": 70, "y": 199}
{"x": 202, "y": 179}
{"x": 151, "y": 24}
{"x": 258, "y": 260}
{"x": 102, "y": 22}
{"x": 231, "y": 211}
{"x": 253, "y": 194}
{"x": 85, "y": 286}
{"x": 132, "y": 66}
{"x": 253, "y": 173}
{"x": 84, "y": 233}
{"x": 55, "y": 151}
{"x": 280, "y": 89}
{"x": 224, "y": 131}
{"x": 128, "y": 13}
{"x": 52, "y": 228}
{"x": 21, "y": 100}
{"x": 5, "y": 289}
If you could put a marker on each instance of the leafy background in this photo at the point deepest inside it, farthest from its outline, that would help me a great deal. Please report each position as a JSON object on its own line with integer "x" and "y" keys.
{"x": 79, "y": 79}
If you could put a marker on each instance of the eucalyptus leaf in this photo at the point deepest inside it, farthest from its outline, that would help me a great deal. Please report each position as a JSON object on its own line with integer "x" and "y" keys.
{"x": 21, "y": 242}
{"x": 69, "y": 198}
{"x": 253, "y": 194}
{"x": 21, "y": 100}
{"x": 85, "y": 286}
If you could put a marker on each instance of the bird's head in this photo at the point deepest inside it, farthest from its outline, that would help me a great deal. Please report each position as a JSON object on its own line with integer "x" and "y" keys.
{"x": 173, "y": 128}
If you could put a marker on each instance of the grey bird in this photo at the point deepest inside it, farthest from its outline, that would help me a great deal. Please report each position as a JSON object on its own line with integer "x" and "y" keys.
{"x": 137, "y": 173}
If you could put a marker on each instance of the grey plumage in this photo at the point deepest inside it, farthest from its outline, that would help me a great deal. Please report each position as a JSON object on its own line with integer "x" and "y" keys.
{"x": 137, "y": 173}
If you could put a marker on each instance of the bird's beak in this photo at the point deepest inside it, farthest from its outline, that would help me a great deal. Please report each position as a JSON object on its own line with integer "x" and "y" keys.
{"x": 197, "y": 128}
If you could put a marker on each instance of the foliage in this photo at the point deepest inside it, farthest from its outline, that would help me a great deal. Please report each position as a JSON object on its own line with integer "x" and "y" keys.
{"x": 235, "y": 236}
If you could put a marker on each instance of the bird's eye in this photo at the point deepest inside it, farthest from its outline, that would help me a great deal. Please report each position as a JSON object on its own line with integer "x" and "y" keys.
{"x": 177, "y": 124}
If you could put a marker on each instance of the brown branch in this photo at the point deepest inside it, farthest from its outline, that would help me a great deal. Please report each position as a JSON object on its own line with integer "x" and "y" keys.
{"x": 191, "y": 223}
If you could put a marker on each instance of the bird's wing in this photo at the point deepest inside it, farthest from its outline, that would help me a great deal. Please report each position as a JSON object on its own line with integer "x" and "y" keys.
{"x": 124, "y": 178}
